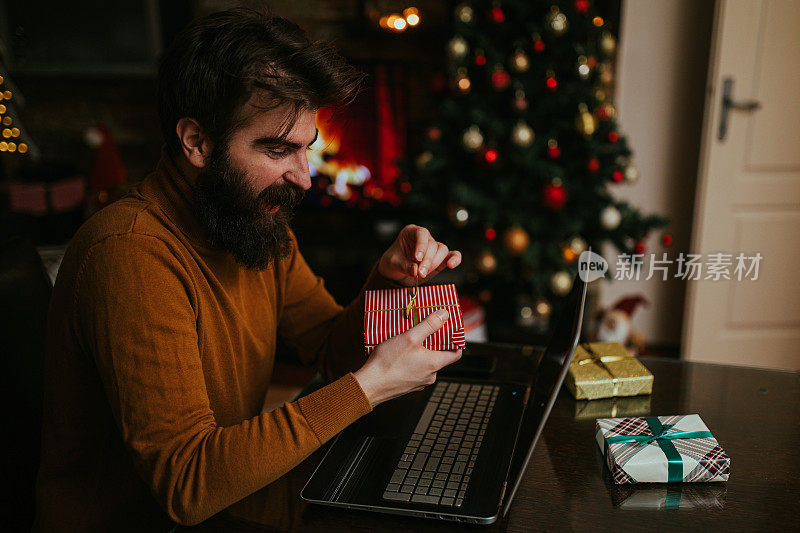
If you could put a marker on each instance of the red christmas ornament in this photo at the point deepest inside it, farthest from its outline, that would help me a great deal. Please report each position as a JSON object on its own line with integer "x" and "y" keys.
{"x": 434, "y": 133}
{"x": 618, "y": 176}
{"x": 553, "y": 151}
{"x": 538, "y": 46}
{"x": 500, "y": 79}
{"x": 593, "y": 165}
{"x": 602, "y": 112}
{"x": 667, "y": 239}
{"x": 639, "y": 248}
{"x": 591, "y": 62}
{"x": 490, "y": 156}
{"x": 490, "y": 234}
{"x": 480, "y": 60}
{"x": 520, "y": 102}
{"x": 613, "y": 136}
{"x": 551, "y": 82}
{"x": 497, "y": 14}
{"x": 405, "y": 187}
{"x": 554, "y": 196}
{"x": 582, "y": 6}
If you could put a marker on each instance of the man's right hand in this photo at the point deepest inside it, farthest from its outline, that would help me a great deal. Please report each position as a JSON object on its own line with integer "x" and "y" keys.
{"x": 401, "y": 365}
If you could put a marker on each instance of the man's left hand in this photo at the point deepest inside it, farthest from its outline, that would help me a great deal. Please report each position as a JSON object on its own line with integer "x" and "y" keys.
{"x": 416, "y": 253}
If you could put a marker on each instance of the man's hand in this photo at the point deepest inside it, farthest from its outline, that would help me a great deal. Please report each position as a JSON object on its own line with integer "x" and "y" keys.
{"x": 416, "y": 253}
{"x": 401, "y": 365}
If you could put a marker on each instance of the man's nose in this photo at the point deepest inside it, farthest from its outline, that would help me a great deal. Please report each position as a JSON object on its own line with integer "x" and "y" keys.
{"x": 299, "y": 174}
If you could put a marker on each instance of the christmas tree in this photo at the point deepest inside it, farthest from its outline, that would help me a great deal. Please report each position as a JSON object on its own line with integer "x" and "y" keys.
{"x": 520, "y": 165}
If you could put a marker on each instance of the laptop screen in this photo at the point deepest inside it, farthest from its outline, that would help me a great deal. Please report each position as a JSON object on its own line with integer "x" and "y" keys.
{"x": 546, "y": 383}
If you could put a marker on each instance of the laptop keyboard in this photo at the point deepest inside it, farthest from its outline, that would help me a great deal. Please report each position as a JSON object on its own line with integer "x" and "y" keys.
{"x": 438, "y": 459}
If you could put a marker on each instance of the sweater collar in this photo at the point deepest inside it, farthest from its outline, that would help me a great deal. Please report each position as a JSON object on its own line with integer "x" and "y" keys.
{"x": 171, "y": 189}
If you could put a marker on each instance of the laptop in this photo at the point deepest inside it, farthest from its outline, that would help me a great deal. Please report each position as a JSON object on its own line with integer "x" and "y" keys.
{"x": 456, "y": 450}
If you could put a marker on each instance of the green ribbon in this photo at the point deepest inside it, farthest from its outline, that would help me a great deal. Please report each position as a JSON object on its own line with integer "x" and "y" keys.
{"x": 664, "y": 440}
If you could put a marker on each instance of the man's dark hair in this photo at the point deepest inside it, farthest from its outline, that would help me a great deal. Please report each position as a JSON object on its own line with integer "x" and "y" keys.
{"x": 217, "y": 62}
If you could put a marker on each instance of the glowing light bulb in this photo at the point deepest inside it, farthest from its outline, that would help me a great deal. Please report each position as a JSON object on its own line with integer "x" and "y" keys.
{"x": 2, "y": 108}
{"x": 6, "y": 133}
{"x": 412, "y": 20}
{"x": 3, "y": 146}
{"x": 399, "y": 24}
{"x": 22, "y": 148}
{"x": 597, "y": 21}
{"x": 7, "y": 121}
{"x": 15, "y": 132}
{"x": 12, "y": 147}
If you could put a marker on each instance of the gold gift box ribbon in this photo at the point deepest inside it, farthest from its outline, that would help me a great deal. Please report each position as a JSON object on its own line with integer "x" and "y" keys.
{"x": 412, "y": 306}
{"x": 601, "y": 360}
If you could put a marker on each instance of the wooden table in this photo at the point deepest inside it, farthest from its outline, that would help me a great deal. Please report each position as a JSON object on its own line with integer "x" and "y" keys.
{"x": 754, "y": 414}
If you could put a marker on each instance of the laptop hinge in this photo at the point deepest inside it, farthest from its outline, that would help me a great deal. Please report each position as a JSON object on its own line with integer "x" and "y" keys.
{"x": 502, "y": 495}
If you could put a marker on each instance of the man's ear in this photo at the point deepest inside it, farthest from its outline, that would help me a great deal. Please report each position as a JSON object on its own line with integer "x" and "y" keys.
{"x": 193, "y": 141}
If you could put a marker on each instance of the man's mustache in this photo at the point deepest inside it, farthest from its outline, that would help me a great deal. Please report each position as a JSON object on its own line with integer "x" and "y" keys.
{"x": 287, "y": 196}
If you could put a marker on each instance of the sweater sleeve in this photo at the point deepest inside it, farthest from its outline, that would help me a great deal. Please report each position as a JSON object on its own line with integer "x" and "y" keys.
{"x": 325, "y": 335}
{"x": 135, "y": 315}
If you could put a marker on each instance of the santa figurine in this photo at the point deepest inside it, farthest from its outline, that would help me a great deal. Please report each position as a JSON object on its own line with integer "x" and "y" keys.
{"x": 615, "y": 323}
{"x": 108, "y": 171}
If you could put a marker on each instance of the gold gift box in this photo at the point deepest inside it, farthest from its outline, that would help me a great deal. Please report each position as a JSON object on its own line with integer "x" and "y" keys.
{"x": 606, "y": 370}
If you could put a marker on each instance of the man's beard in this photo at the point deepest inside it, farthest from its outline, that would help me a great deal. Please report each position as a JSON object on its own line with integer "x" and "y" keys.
{"x": 238, "y": 220}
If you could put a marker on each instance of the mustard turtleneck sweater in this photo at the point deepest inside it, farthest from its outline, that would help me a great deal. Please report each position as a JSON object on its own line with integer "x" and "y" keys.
{"x": 159, "y": 353}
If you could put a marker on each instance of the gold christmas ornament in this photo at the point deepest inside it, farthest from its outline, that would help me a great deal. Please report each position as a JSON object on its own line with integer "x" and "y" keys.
{"x": 516, "y": 240}
{"x": 561, "y": 283}
{"x": 606, "y": 74}
{"x": 600, "y": 95}
{"x": 543, "y": 307}
{"x": 522, "y": 134}
{"x": 460, "y": 216}
{"x": 577, "y": 245}
{"x": 610, "y": 217}
{"x": 487, "y": 263}
{"x": 457, "y": 48}
{"x": 608, "y": 43}
{"x": 464, "y": 13}
{"x": 583, "y": 68}
{"x": 423, "y": 159}
{"x": 556, "y": 21}
{"x": 520, "y": 61}
{"x": 585, "y": 122}
{"x": 473, "y": 138}
{"x": 631, "y": 174}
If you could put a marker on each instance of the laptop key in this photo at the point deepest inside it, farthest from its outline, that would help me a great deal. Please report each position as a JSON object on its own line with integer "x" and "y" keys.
{"x": 459, "y": 502}
{"x": 448, "y": 501}
{"x": 459, "y": 467}
{"x": 438, "y": 483}
{"x": 396, "y": 496}
{"x": 407, "y": 489}
{"x": 435, "y": 492}
{"x": 393, "y": 487}
{"x": 450, "y": 493}
{"x": 398, "y": 476}
{"x": 424, "y": 498}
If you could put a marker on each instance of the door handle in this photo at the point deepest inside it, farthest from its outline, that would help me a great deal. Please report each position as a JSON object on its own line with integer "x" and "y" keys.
{"x": 728, "y": 103}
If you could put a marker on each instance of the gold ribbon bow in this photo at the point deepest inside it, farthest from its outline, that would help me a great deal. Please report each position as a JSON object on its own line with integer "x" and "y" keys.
{"x": 601, "y": 360}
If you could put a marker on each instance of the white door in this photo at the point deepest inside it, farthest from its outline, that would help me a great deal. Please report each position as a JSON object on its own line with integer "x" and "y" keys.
{"x": 748, "y": 195}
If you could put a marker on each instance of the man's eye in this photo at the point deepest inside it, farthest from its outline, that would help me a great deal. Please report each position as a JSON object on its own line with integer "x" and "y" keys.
{"x": 278, "y": 153}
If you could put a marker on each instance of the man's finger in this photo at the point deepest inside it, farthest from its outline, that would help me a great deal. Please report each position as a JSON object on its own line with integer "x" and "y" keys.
{"x": 453, "y": 259}
{"x": 430, "y": 325}
{"x": 427, "y": 262}
{"x": 438, "y": 260}
{"x": 443, "y": 359}
{"x": 421, "y": 243}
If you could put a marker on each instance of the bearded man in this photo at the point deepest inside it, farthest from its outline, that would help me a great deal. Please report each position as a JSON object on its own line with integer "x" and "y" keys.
{"x": 164, "y": 317}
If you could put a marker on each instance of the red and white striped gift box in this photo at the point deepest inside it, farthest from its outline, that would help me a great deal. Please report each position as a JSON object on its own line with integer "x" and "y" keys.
{"x": 385, "y": 316}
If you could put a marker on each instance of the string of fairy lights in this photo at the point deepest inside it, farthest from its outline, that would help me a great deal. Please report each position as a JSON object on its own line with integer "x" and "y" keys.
{"x": 10, "y": 132}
